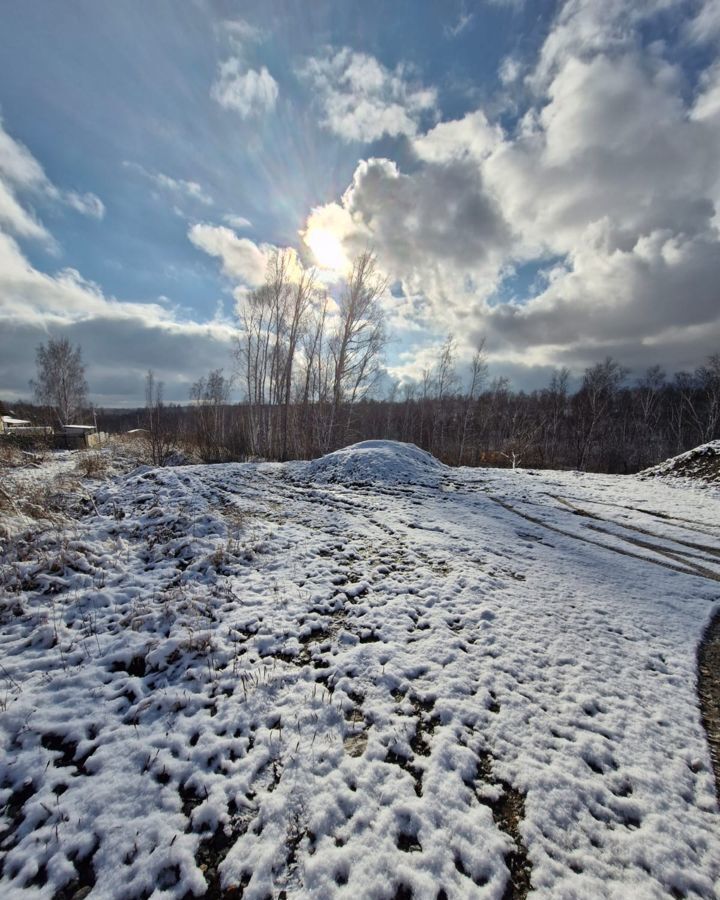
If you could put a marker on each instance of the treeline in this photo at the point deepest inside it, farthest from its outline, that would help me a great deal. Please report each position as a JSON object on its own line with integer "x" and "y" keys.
{"x": 607, "y": 425}
{"x": 309, "y": 365}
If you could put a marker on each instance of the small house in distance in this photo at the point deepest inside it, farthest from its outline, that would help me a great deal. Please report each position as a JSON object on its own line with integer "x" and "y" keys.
{"x": 66, "y": 437}
{"x": 77, "y": 437}
{"x": 11, "y": 425}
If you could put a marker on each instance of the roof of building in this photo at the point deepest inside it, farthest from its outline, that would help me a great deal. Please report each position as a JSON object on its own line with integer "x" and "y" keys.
{"x": 9, "y": 420}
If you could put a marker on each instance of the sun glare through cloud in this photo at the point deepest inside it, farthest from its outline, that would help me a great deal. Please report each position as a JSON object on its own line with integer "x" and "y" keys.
{"x": 326, "y": 248}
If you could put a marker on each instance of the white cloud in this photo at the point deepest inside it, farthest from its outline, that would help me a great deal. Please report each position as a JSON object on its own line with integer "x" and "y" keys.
{"x": 436, "y": 230}
{"x": 706, "y": 112}
{"x": 20, "y": 172}
{"x": 362, "y": 100}
{"x": 705, "y": 26}
{"x": 235, "y": 221}
{"x": 30, "y": 295}
{"x": 17, "y": 165}
{"x": 120, "y": 340}
{"x": 613, "y": 140}
{"x": 242, "y": 259}
{"x": 470, "y": 137}
{"x": 663, "y": 283}
{"x": 412, "y": 364}
{"x": 240, "y": 32}
{"x": 617, "y": 172}
{"x": 612, "y": 169}
{"x": 456, "y": 29}
{"x": 583, "y": 29}
{"x": 15, "y": 218}
{"x": 178, "y": 187}
{"x": 88, "y": 204}
{"x": 248, "y": 92}
{"x": 510, "y": 70}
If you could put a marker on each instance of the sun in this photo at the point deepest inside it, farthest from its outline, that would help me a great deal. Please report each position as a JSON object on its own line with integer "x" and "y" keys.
{"x": 326, "y": 248}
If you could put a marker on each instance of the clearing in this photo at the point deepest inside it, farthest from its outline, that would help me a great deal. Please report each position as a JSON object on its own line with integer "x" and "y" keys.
{"x": 366, "y": 676}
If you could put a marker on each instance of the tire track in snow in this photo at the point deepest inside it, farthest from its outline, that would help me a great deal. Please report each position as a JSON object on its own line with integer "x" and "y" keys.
{"x": 686, "y": 568}
{"x": 663, "y": 516}
{"x": 678, "y": 555}
{"x": 581, "y": 511}
{"x": 673, "y": 552}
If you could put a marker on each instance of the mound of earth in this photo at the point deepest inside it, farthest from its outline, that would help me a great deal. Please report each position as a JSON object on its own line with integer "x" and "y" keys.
{"x": 376, "y": 462}
{"x": 701, "y": 464}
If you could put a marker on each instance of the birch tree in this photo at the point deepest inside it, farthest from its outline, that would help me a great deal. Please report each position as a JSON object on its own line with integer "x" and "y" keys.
{"x": 60, "y": 381}
{"x": 359, "y": 339}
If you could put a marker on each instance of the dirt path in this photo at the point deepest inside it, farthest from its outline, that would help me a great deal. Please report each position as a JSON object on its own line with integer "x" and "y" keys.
{"x": 709, "y": 692}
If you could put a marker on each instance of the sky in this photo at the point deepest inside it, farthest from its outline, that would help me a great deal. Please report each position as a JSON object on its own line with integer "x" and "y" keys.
{"x": 542, "y": 174}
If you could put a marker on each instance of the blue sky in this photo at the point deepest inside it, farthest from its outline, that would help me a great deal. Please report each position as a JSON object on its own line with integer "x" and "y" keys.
{"x": 538, "y": 173}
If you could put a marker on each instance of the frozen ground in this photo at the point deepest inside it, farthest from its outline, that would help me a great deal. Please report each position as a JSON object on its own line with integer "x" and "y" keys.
{"x": 242, "y": 680}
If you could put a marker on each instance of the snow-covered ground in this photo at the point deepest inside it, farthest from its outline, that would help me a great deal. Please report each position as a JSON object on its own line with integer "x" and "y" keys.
{"x": 271, "y": 681}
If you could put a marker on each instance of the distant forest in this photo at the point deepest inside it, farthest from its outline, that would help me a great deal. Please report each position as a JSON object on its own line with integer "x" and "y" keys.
{"x": 309, "y": 368}
{"x": 605, "y": 426}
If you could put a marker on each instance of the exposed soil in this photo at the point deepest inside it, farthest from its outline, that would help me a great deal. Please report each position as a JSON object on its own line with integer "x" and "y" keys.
{"x": 709, "y": 692}
{"x": 508, "y": 812}
{"x": 701, "y": 464}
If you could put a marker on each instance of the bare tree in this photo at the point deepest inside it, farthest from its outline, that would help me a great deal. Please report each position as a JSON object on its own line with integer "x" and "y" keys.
{"x": 301, "y": 296}
{"x": 273, "y": 320}
{"x": 648, "y": 395}
{"x": 359, "y": 339}
{"x": 60, "y": 381}
{"x": 594, "y": 403}
{"x": 315, "y": 378}
{"x": 160, "y": 434}
{"x": 478, "y": 374}
{"x": 446, "y": 382}
{"x": 708, "y": 377}
{"x": 210, "y": 396}
{"x": 408, "y": 420}
{"x": 555, "y": 401}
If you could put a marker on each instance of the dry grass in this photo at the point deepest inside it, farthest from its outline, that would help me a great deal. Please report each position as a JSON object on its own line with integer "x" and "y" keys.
{"x": 129, "y": 451}
{"x": 29, "y": 506}
{"x": 92, "y": 464}
{"x": 7, "y": 502}
{"x": 10, "y": 455}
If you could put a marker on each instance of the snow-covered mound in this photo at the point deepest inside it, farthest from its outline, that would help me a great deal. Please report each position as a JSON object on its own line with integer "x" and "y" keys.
{"x": 701, "y": 463}
{"x": 372, "y": 462}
